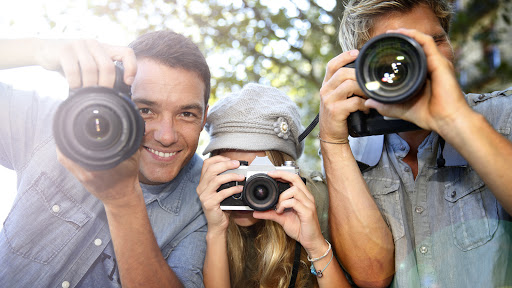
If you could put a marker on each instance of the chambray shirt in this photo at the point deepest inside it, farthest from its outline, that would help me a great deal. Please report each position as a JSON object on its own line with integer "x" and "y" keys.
{"x": 449, "y": 230}
{"x": 56, "y": 234}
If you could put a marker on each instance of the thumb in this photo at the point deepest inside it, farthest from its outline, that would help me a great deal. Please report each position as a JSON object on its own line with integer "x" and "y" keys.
{"x": 267, "y": 215}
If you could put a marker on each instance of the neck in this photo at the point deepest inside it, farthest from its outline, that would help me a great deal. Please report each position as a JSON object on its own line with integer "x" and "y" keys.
{"x": 414, "y": 140}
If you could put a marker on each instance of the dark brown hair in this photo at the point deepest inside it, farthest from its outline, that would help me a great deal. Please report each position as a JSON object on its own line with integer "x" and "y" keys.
{"x": 174, "y": 50}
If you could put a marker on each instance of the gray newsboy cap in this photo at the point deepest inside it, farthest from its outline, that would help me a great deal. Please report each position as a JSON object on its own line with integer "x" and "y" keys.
{"x": 256, "y": 118}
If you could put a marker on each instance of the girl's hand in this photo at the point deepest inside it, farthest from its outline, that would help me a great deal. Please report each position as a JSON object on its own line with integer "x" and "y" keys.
{"x": 207, "y": 190}
{"x": 296, "y": 212}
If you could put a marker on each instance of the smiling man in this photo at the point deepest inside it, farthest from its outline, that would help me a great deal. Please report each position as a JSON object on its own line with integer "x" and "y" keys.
{"x": 139, "y": 224}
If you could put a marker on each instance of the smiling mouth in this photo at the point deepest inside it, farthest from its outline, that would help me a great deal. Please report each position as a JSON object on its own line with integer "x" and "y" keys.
{"x": 160, "y": 154}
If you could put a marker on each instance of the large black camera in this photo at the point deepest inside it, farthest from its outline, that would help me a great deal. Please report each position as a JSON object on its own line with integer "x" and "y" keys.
{"x": 390, "y": 68}
{"x": 261, "y": 192}
{"x": 99, "y": 127}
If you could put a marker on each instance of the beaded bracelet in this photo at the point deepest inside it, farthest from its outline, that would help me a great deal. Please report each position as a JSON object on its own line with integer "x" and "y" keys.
{"x": 319, "y": 273}
{"x": 342, "y": 141}
{"x": 321, "y": 257}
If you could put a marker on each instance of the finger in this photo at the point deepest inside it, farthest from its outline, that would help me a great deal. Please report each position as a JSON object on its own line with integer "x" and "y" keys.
{"x": 213, "y": 161}
{"x": 294, "y": 179}
{"x": 88, "y": 67}
{"x": 389, "y": 110}
{"x": 127, "y": 56}
{"x": 428, "y": 44}
{"x": 347, "y": 89}
{"x": 303, "y": 196}
{"x": 70, "y": 67}
{"x": 293, "y": 203}
{"x": 269, "y": 215}
{"x": 338, "y": 62}
{"x": 215, "y": 198}
{"x": 106, "y": 67}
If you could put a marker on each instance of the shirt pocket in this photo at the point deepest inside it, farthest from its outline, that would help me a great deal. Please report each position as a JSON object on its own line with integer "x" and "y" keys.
{"x": 43, "y": 220}
{"x": 471, "y": 208}
{"x": 387, "y": 197}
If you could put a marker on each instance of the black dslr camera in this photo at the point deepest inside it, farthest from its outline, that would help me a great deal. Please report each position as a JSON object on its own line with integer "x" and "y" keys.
{"x": 261, "y": 192}
{"x": 390, "y": 68}
{"x": 99, "y": 127}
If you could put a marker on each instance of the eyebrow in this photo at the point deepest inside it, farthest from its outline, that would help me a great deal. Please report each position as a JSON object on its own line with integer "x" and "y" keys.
{"x": 150, "y": 103}
{"x": 439, "y": 36}
{"x": 144, "y": 102}
{"x": 192, "y": 107}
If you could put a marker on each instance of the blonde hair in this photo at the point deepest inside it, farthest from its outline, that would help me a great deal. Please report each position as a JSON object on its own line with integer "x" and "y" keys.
{"x": 273, "y": 262}
{"x": 359, "y": 17}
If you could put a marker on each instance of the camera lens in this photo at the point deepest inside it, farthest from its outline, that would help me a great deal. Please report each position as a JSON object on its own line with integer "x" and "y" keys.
{"x": 391, "y": 68}
{"x": 98, "y": 128}
{"x": 260, "y": 192}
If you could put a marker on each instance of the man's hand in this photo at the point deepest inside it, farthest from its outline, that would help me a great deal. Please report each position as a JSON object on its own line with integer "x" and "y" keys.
{"x": 114, "y": 187}
{"x": 440, "y": 102}
{"x": 337, "y": 103}
{"x": 86, "y": 62}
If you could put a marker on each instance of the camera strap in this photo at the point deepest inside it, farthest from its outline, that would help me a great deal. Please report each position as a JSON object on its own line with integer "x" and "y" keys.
{"x": 310, "y": 128}
{"x": 296, "y": 263}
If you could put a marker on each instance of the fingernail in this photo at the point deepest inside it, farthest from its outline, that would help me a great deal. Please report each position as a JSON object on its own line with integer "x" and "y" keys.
{"x": 129, "y": 80}
{"x": 354, "y": 53}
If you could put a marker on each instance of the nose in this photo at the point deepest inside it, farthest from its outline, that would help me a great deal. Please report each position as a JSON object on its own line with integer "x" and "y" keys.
{"x": 165, "y": 132}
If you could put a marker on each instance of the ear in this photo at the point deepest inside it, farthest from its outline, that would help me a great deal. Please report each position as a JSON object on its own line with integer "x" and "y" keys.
{"x": 205, "y": 115}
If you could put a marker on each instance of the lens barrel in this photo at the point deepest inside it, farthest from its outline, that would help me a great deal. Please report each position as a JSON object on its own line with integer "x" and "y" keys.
{"x": 391, "y": 68}
{"x": 261, "y": 192}
{"x": 98, "y": 128}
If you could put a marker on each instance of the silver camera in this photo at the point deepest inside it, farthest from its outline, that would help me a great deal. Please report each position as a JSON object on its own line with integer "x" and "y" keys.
{"x": 261, "y": 192}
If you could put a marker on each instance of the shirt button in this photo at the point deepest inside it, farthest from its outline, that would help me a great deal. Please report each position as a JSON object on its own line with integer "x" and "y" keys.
{"x": 423, "y": 249}
{"x": 65, "y": 284}
{"x": 407, "y": 169}
{"x": 402, "y": 147}
{"x": 56, "y": 208}
{"x": 98, "y": 242}
{"x": 454, "y": 193}
{"x": 419, "y": 209}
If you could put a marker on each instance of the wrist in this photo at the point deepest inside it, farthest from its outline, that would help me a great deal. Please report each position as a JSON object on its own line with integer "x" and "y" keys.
{"x": 452, "y": 128}
{"x": 125, "y": 201}
{"x": 214, "y": 235}
{"x": 318, "y": 250}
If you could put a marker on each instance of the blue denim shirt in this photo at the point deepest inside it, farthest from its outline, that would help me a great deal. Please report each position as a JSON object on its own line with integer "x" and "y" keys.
{"x": 448, "y": 228}
{"x": 57, "y": 234}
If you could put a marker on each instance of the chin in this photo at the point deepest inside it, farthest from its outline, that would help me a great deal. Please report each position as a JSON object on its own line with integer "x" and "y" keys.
{"x": 244, "y": 219}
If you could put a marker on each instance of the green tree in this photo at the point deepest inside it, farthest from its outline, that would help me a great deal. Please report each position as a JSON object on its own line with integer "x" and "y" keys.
{"x": 287, "y": 44}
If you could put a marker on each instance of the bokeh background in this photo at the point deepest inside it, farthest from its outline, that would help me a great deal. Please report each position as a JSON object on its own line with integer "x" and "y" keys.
{"x": 286, "y": 44}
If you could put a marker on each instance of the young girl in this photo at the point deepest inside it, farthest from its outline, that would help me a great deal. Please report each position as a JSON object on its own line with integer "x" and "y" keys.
{"x": 257, "y": 248}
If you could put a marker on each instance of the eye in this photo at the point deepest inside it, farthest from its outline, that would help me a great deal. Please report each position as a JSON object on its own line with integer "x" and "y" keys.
{"x": 188, "y": 114}
{"x": 145, "y": 111}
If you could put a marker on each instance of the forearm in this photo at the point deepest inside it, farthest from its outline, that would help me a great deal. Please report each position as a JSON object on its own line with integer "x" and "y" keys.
{"x": 140, "y": 260}
{"x": 19, "y": 52}
{"x": 487, "y": 151}
{"x": 216, "y": 265}
{"x": 361, "y": 238}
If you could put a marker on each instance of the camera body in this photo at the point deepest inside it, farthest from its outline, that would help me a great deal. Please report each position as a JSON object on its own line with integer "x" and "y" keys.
{"x": 261, "y": 192}
{"x": 390, "y": 68}
{"x": 99, "y": 127}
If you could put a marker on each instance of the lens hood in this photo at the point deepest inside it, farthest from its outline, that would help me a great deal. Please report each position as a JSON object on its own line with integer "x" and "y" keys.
{"x": 98, "y": 128}
{"x": 391, "y": 68}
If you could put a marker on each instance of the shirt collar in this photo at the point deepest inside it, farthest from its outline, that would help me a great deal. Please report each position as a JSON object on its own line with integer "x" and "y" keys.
{"x": 161, "y": 191}
{"x": 368, "y": 150}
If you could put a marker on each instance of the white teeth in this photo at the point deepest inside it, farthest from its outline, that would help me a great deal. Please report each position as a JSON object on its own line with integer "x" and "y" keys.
{"x": 161, "y": 154}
